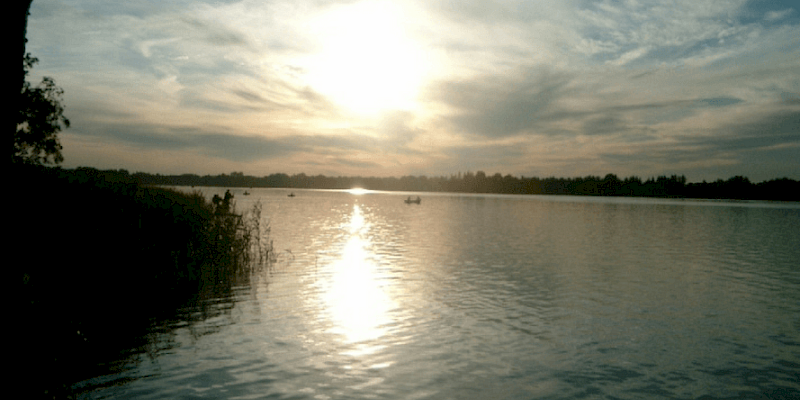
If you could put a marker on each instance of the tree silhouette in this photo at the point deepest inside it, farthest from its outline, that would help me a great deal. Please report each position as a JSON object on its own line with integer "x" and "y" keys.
{"x": 15, "y": 20}
{"x": 41, "y": 117}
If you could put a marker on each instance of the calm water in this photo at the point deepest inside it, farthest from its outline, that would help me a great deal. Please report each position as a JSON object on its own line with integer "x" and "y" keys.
{"x": 495, "y": 297}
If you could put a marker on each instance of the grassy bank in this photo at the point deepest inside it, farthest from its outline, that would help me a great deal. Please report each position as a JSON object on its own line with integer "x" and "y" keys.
{"x": 96, "y": 260}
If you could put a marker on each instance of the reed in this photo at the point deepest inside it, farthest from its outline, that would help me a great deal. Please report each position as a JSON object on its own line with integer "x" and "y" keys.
{"x": 97, "y": 261}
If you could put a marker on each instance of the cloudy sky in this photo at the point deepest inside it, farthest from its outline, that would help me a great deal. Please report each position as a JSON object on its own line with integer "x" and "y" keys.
{"x": 709, "y": 89}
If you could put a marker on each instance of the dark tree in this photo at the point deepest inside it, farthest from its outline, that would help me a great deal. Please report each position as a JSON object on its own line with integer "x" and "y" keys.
{"x": 41, "y": 117}
{"x": 15, "y": 20}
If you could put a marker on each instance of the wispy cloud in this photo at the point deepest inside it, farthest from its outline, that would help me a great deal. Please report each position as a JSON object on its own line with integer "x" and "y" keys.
{"x": 778, "y": 15}
{"x": 520, "y": 86}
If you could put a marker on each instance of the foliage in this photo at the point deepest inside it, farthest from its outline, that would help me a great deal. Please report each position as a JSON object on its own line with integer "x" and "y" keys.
{"x": 40, "y": 118}
{"x": 102, "y": 258}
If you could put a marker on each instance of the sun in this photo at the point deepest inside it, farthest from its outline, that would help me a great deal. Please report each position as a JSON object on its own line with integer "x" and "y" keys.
{"x": 358, "y": 191}
{"x": 368, "y": 61}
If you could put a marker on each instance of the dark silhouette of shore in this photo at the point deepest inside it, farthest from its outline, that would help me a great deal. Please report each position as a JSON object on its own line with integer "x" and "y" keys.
{"x": 101, "y": 259}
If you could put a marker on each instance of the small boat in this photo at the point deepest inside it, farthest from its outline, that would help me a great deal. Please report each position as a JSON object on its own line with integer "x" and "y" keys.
{"x": 415, "y": 201}
{"x": 291, "y": 194}
{"x": 246, "y": 193}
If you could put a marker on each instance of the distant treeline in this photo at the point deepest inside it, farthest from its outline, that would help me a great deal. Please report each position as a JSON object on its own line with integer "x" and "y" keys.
{"x": 737, "y": 187}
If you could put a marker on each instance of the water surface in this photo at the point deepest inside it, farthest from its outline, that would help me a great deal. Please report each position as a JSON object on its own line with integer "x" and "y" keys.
{"x": 495, "y": 296}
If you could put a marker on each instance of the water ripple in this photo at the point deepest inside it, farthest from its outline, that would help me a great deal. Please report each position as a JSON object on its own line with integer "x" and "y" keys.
{"x": 471, "y": 297}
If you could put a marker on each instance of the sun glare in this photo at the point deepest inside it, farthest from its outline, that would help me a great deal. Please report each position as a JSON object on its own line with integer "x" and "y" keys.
{"x": 354, "y": 297}
{"x": 368, "y": 61}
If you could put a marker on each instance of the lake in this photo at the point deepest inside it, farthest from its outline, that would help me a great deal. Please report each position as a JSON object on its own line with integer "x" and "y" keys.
{"x": 494, "y": 297}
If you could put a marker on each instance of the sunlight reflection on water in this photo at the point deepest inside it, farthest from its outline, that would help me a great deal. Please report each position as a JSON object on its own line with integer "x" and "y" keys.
{"x": 352, "y": 293}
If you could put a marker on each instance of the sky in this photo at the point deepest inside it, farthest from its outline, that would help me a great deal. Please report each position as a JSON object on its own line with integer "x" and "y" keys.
{"x": 707, "y": 89}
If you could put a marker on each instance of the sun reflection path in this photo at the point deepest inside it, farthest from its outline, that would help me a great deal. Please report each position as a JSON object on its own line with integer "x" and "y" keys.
{"x": 355, "y": 298}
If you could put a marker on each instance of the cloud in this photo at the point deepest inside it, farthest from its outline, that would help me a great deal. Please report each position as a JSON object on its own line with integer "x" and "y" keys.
{"x": 637, "y": 122}
{"x": 660, "y": 31}
{"x": 718, "y": 102}
{"x": 486, "y": 156}
{"x": 496, "y": 106}
{"x": 790, "y": 98}
{"x": 360, "y": 164}
{"x": 757, "y": 132}
{"x": 396, "y": 131}
{"x": 213, "y": 33}
{"x": 760, "y": 144}
{"x": 647, "y": 113}
{"x": 612, "y": 124}
{"x": 561, "y": 103}
{"x": 772, "y": 16}
{"x": 219, "y": 143}
{"x": 505, "y": 12}
{"x": 629, "y": 56}
{"x": 250, "y": 96}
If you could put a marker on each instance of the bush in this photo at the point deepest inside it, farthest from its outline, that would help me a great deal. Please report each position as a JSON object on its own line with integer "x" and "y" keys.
{"x": 99, "y": 258}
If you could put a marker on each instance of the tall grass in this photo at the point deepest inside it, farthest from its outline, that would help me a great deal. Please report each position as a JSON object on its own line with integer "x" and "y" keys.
{"x": 258, "y": 235}
{"x": 95, "y": 261}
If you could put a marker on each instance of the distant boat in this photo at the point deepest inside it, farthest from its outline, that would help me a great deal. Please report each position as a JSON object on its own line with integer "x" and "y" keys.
{"x": 416, "y": 201}
{"x": 246, "y": 193}
{"x": 291, "y": 194}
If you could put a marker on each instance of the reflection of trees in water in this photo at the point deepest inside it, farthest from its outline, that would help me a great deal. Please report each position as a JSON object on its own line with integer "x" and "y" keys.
{"x": 142, "y": 337}
{"x": 159, "y": 335}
